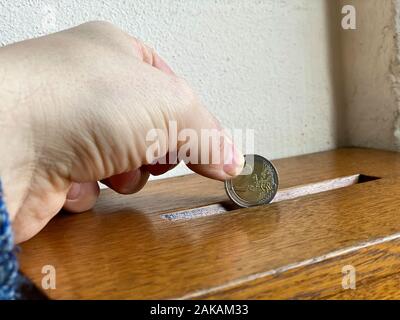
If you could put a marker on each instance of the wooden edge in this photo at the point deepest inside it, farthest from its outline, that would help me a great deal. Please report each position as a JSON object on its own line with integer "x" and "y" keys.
{"x": 375, "y": 264}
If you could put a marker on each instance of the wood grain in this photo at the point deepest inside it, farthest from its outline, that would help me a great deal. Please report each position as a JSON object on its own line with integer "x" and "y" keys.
{"x": 124, "y": 249}
{"x": 376, "y": 268}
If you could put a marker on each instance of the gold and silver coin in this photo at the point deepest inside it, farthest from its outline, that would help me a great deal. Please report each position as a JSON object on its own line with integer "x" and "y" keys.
{"x": 256, "y": 185}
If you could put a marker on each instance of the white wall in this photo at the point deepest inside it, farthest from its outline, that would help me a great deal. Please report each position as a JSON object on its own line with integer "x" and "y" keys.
{"x": 265, "y": 65}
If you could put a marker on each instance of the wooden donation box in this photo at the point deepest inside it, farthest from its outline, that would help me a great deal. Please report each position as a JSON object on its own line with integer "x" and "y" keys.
{"x": 332, "y": 232}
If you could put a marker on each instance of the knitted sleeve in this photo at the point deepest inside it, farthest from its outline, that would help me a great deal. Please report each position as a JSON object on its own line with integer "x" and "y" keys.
{"x": 8, "y": 260}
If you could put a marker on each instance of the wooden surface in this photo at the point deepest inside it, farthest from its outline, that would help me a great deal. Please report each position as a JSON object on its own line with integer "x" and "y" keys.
{"x": 291, "y": 249}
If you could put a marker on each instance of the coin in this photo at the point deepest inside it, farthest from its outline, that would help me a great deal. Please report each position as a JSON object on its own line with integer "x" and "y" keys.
{"x": 256, "y": 185}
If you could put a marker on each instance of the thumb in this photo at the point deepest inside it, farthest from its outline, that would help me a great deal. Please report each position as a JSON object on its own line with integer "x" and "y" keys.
{"x": 217, "y": 156}
{"x": 197, "y": 138}
{"x": 219, "y": 160}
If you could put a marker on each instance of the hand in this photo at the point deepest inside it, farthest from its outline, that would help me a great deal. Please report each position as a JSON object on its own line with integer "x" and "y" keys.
{"x": 76, "y": 108}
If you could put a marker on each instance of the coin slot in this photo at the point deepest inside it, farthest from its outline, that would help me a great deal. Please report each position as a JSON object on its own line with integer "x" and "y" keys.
{"x": 281, "y": 195}
{"x": 209, "y": 210}
{"x": 322, "y": 186}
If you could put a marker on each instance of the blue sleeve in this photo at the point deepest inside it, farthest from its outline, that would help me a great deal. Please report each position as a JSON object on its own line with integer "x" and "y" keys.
{"x": 8, "y": 260}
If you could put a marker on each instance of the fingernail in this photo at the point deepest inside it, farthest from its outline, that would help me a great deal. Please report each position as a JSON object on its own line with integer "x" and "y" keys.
{"x": 234, "y": 159}
{"x": 74, "y": 191}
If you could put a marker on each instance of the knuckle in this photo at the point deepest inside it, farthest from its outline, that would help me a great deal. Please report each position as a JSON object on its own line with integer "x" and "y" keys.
{"x": 103, "y": 29}
{"x": 100, "y": 25}
{"x": 106, "y": 35}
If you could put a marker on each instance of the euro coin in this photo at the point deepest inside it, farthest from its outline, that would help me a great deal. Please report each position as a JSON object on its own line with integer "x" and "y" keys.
{"x": 256, "y": 185}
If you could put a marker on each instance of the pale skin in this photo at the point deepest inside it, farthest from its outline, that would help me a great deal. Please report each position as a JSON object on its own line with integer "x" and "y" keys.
{"x": 75, "y": 109}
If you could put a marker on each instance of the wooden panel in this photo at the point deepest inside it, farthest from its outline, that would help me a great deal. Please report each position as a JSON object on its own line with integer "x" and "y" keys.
{"x": 123, "y": 248}
{"x": 376, "y": 269}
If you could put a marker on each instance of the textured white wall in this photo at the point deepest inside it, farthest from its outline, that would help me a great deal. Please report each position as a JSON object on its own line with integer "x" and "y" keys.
{"x": 257, "y": 64}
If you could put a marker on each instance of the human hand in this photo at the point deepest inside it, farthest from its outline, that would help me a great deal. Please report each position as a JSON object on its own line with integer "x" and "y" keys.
{"x": 76, "y": 108}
